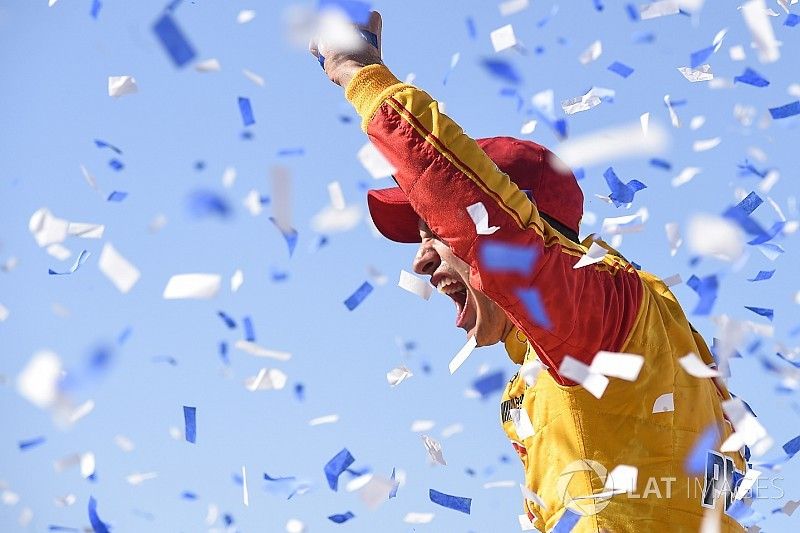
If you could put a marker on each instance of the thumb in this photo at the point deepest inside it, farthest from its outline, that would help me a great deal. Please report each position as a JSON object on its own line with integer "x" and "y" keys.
{"x": 375, "y": 25}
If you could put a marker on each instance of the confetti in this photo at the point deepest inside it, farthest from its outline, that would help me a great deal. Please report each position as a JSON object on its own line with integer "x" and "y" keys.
{"x": 593, "y": 98}
{"x": 252, "y": 76}
{"x": 462, "y": 355}
{"x": 621, "y": 193}
{"x": 694, "y": 366}
{"x": 117, "y": 196}
{"x": 434, "y": 449}
{"x": 751, "y": 77}
{"x": 715, "y": 237}
{"x": 245, "y": 493}
{"x": 686, "y": 175}
{"x": 569, "y": 519}
{"x": 266, "y": 379}
{"x": 591, "y": 53}
{"x": 208, "y": 65}
{"x": 374, "y": 162}
{"x": 664, "y": 403}
{"x": 84, "y": 255}
{"x": 38, "y": 381}
{"x": 338, "y": 464}
{"x": 341, "y": 518}
{"x": 703, "y": 73}
{"x": 661, "y": 8}
{"x": 246, "y": 110}
{"x": 762, "y": 311}
{"x": 4, "y": 313}
{"x": 457, "y": 503}
{"x": 190, "y": 423}
{"x": 480, "y": 217}
{"x": 612, "y": 144}
{"x": 259, "y": 351}
{"x": 97, "y": 525}
{"x": 174, "y": 42}
{"x": 25, "y": 445}
{"x": 706, "y": 144}
{"x": 398, "y": 375}
{"x": 116, "y": 268}
{"x": 582, "y": 374}
{"x": 706, "y": 289}
{"x": 763, "y": 275}
{"x": 754, "y": 13}
{"x": 193, "y": 286}
{"x": 503, "y": 38}
{"x": 321, "y": 420}
{"x": 618, "y": 365}
{"x": 355, "y": 299}
{"x": 510, "y": 7}
{"x": 788, "y": 110}
{"x": 507, "y": 257}
{"x": 534, "y": 306}
{"x": 522, "y": 423}
{"x": 621, "y": 69}
{"x": 121, "y": 86}
{"x": 418, "y": 518}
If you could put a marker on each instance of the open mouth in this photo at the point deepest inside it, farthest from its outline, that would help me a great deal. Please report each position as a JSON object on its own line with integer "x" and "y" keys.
{"x": 457, "y": 292}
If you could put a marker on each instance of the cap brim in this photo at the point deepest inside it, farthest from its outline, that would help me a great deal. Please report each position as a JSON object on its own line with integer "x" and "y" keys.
{"x": 393, "y": 215}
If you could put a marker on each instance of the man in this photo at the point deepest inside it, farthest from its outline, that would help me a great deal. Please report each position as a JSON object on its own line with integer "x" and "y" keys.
{"x": 517, "y": 285}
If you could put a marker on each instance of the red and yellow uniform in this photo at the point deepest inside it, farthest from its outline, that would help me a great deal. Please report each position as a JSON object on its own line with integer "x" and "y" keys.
{"x": 606, "y": 306}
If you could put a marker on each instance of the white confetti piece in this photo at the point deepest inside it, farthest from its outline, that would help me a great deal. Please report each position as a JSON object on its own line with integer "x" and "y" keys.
{"x": 90, "y": 179}
{"x": 714, "y": 236}
{"x": 528, "y": 127}
{"x": 336, "y": 195}
{"x": 259, "y": 351}
{"x": 229, "y": 177}
{"x": 452, "y": 429}
{"x": 124, "y": 443}
{"x": 245, "y": 16}
{"x": 51, "y": 3}
{"x": 266, "y": 379}
{"x": 245, "y": 493}
{"x": 529, "y": 495}
{"x": 674, "y": 237}
{"x": 580, "y": 373}
{"x": 236, "y": 280}
{"x": 59, "y": 251}
{"x": 38, "y": 381}
{"x": 88, "y": 465}
{"x": 673, "y": 115}
{"x": 252, "y": 202}
{"x": 434, "y": 449}
{"x": 321, "y": 420}
{"x": 116, "y": 268}
{"x": 208, "y": 65}
{"x": 622, "y": 479}
{"x": 66, "y": 500}
{"x": 626, "y": 224}
{"x": 595, "y": 254}
{"x": 672, "y": 280}
{"x": 294, "y": 525}
{"x": 618, "y": 365}
{"x": 664, "y": 403}
{"x": 503, "y": 38}
{"x": 694, "y": 75}
{"x": 704, "y": 145}
{"x": 333, "y": 220}
{"x": 415, "y": 285}
{"x": 46, "y": 228}
{"x": 418, "y": 426}
{"x": 591, "y": 53}
{"x": 252, "y": 76}
{"x": 505, "y": 484}
{"x": 462, "y": 355}
{"x": 398, "y": 375}
{"x": 685, "y": 176}
{"x": 612, "y": 144}
{"x": 757, "y": 20}
{"x": 158, "y": 222}
{"x": 374, "y": 162}
{"x": 418, "y": 518}
{"x": 480, "y": 217}
{"x": 593, "y": 98}
{"x": 697, "y": 122}
{"x": 746, "y": 483}
{"x": 194, "y": 286}
{"x": 644, "y": 121}
{"x": 749, "y": 431}
{"x": 661, "y": 8}
{"x": 522, "y": 423}
{"x": 694, "y": 366}
{"x": 509, "y": 7}
{"x": 81, "y": 411}
{"x": 530, "y": 370}
{"x": 4, "y": 313}
{"x": 86, "y": 230}
{"x": 138, "y": 478}
{"x": 121, "y": 86}
{"x": 736, "y": 53}
{"x": 525, "y": 523}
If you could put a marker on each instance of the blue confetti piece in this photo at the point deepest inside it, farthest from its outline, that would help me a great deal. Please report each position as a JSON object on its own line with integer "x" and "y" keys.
{"x": 695, "y": 462}
{"x": 267, "y": 477}
{"x": 227, "y": 519}
{"x": 567, "y": 522}
{"x": 123, "y": 337}
{"x": 762, "y": 275}
{"x": 698, "y": 58}
{"x": 490, "y": 383}
{"x": 357, "y": 12}
{"x": 95, "y": 11}
{"x": 633, "y": 12}
{"x": 103, "y": 144}
{"x": 533, "y": 303}
{"x": 199, "y": 165}
{"x": 300, "y": 392}
{"x": 288, "y": 152}
{"x": 204, "y": 203}
{"x": 97, "y": 525}
{"x": 751, "y": 77}
{"x": 84, "y": 255}
{"x": 579, "y": 173}
{"x": 62, "y": 528}
{"x": 792, "y": 20}
{"x": 644, "y": 37}
{"x": 769, "y": 234}
{"x": 189, "y": 495}
{"x": 598, "y": 5}
{"x": 396, "y": 484}
{"x": 472, "y": 31}
{"x": 621, "y": 193}
{"x": 762, "y": 311}
{"x": 706, "y": 288}
{"x": 223, "y": 353}
{"x": 289, "y": 234}
{"x": 165, "y": 359}
{"x": 748, "y": 168}
{"x": 792, "y": 447}
{"x": 31, "y": 443}
{"x": 661, "y": 163}
{"x": 174, "y": 42}
{"x": 620, "y": 68}
{"x": 749, "y": 203}
{"x": 230, "y": 322}
{"x": 116, "y": 164}
{"x": 247, "y": 135}
{"x": 337, "y": 465}
{"x": 457, "y": 503}
{"x": 341, "y": 518}
{"x": 507, "y": 257}
{"x": 788, "y": 110}
{"x": 249, "y": 330}
{"x": 502, "y": 70}
{"x": 190, "y": 422}
{"x": 246, "y": 111}
{"x": 117, "y": 196}
{"x": 513, "y": 93}
{"x": 357, "y": 297}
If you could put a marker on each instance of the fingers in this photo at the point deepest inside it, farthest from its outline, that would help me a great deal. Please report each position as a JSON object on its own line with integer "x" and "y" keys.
{"x": 313, "y": 47}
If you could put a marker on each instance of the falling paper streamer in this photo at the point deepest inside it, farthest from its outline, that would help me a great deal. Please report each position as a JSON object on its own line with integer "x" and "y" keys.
{"x": 398, "y": 375}
{"x": 686, "y": 175}
{"x": 116, "y": 268}
{"x": 595, "y": 254}
{"x": 673, "y": 116}
{"x": 612, "y": 144}
{"x": 84, "y": 255}
{"x": 338, "y": 464}
{"x": 661, "y": 8}
{"x": 190, "y": 423}
{"x": 593, "y": 98}
{"x": 503, "y": 38}
{"x": 702, "y": 73}
{"x": 591, "y": 53}
{"x": 122, "y": 85}
{"x": 480, "y": 217}
{"x": 755, "y": 16}
{"x": 259, "y": 351}
{"x": 457, "y": 503}
{"x": 374, "y": 162}
{"x": 706, "y": 144}
{"x": 174, "y": 42}
{"x": 462, "y": 355}
{"x": 694, "y": 366}
{"x": 266, "y": 379}
{"x": 192, "y": 286}
{"x": 245, "y": 493}
{"x": 97, "y": 525}
{"x": 252, "y": 76}
{"x": 664, "y": 403}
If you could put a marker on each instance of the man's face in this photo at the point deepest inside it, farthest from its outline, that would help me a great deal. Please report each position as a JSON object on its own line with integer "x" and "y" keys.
{"x": 475, "y": 312}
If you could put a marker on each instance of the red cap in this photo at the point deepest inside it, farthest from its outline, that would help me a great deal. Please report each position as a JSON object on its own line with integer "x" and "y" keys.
{"x": 531, "y": 166}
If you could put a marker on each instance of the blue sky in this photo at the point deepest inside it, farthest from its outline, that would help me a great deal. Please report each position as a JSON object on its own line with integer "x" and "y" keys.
{"x": 56, "y": 62}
